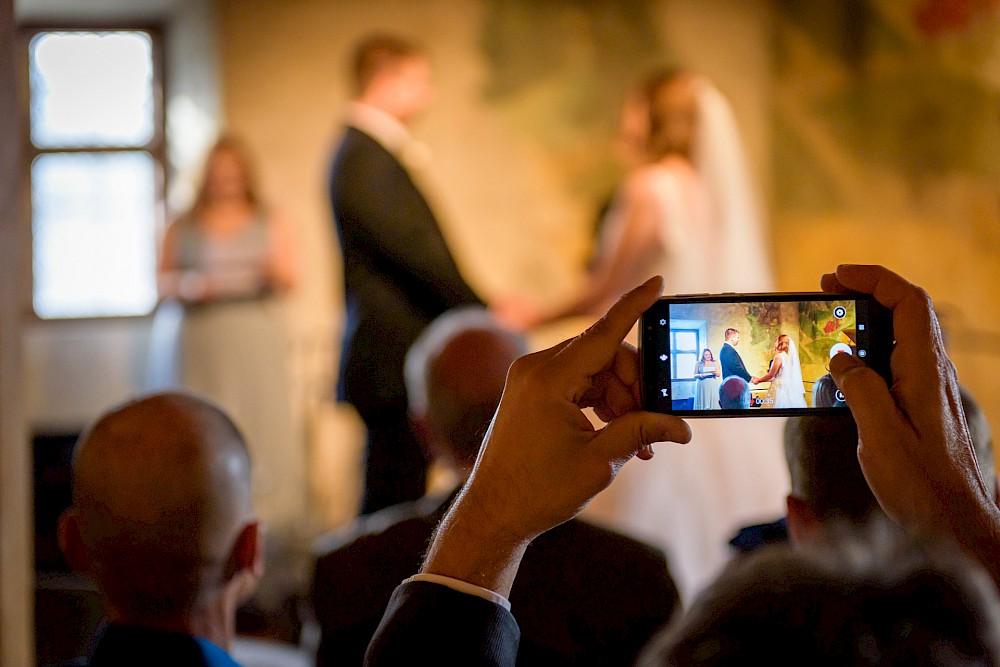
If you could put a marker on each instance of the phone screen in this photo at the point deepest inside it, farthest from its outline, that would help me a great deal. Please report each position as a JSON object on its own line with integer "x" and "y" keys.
{"x": 756, "y": 355}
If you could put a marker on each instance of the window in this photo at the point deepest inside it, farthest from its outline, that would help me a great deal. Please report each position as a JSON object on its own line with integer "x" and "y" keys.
{"x": 683, "y": 352}
{"x": 96, "y": 171}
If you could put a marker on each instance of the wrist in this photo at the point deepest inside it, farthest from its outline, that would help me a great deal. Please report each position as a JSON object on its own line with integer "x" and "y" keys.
{"x": 978, "y": 533}
{"x": 472, "y": 546}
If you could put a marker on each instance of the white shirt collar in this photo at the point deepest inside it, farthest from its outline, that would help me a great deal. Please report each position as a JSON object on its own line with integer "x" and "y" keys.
{"x": 379, "y": 125}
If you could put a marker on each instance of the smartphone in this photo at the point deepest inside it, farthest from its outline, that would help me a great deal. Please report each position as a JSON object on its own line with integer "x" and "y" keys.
{"x": 756, "y": 355}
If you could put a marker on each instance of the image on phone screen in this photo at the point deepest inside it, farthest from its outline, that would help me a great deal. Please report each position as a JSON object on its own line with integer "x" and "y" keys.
{"x": 756, "y": 355}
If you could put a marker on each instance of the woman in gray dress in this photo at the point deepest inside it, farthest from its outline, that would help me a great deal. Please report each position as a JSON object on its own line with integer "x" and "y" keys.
{"x": 223, "y": 265}
{"x": 707, "y": 371}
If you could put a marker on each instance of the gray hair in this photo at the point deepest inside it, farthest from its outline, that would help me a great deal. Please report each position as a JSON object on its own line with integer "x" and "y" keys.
{"x": 435, "y": 337}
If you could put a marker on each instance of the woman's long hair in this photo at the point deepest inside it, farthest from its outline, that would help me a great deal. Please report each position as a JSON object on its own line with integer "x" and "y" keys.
{"x": 230, "y": 144}
{"x": 665, "y": 113}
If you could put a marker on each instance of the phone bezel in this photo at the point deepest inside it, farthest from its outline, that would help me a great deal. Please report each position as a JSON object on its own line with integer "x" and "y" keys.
{"x": 878, "y": 332}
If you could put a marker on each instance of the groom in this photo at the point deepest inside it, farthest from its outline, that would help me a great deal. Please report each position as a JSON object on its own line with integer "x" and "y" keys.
{"x": 732, "y": 363}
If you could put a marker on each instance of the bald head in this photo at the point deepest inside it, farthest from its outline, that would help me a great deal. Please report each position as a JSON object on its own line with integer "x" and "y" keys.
{"x": 822, "y": 456}
{"x": 161, "y": 494}
{"x": 455, "y": 377}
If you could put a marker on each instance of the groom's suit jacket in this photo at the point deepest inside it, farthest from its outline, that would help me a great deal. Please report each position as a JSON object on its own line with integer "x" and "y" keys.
{"x": 399, "y": 275}
{"x": 732, "y": 363}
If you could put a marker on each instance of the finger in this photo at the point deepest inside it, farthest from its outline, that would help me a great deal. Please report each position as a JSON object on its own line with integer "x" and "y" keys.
{"x": 595, "y": 348}
{"x": 624, "y": 437}
{"x": 919, "y": 347}
{"x": 613, "y": 399}
{"x": 829, "y": 283}
{"x": 887, "y": 287}
{"x": 876, "y": 414}
{"x": 912, "y": 311}
{"x": 542, "y": 355}
{"x": 626, "y": 365}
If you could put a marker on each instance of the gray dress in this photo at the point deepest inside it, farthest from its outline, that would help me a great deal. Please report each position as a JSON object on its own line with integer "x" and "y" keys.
{"x": 233, "y": 350}
{"x": 706, "y": 392}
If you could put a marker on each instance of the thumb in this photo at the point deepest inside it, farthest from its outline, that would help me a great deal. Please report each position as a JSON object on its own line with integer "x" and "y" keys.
{"x": 626, "y": 435}
{"x": 868, "y": 397}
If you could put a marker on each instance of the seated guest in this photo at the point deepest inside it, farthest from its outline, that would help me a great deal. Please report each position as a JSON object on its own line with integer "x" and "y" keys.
{"x": 734, "y": 393}
{"x": 162, "y": 521}
{"x": 825, "y": 393}
{"x": 854, "y": 605}
{"x": 542, "y": 461}
{"x": 576, "y": 593}
{"x": 830, "y": 498}
{"x": 829, "y": 495}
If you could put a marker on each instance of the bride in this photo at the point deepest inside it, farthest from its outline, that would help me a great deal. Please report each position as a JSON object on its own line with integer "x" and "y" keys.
{"x": 687, "y": 211}
{"x": 785, "y": 376}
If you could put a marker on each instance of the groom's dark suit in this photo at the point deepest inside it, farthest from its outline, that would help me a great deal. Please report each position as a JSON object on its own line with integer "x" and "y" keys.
{"x": 732, "y": 363}
{"x": 398, "y": 276}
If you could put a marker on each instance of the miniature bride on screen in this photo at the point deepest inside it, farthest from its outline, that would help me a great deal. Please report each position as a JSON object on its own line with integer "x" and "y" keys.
{"x": 785, "y": 375}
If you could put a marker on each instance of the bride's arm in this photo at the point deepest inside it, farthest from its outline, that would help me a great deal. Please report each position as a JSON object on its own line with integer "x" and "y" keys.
{"x": 775, "y": 367}
{"x": 616, "y": 271}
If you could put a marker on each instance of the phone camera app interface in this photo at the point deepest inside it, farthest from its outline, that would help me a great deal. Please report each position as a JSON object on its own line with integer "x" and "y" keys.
{"x": 754, "y": 355}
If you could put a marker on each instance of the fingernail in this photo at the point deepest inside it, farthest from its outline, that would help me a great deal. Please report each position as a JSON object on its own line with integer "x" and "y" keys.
{"x": 843, "y": 362}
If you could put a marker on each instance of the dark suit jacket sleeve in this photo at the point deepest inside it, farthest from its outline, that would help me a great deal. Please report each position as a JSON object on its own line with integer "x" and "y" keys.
{"x": 379, "y": 206}
{"x": 431, "y": 624}
{"x": 734, "y": 363}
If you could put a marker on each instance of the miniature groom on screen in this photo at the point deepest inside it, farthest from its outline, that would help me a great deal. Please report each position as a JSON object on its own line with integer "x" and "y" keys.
{"x": 732, "y": 363}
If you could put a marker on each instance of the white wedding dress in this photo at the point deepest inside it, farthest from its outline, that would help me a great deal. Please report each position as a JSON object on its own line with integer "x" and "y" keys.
{"x": 691, "y": 499}
{"x": 787, "y": 389}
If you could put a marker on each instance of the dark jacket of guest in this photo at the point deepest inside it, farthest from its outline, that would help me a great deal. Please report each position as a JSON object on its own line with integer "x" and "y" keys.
{"x": 121, "y": 646}
{"x": 583, "y": 595}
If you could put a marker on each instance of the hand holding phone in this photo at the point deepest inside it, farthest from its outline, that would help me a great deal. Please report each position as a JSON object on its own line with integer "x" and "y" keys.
{"x": 695, "y": 351}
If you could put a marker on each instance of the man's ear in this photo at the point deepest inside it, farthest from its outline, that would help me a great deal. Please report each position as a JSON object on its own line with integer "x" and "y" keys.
{"x": 248, "y": 552}
{"x": 71, "y": 541}
{"x": 803, "y": 526}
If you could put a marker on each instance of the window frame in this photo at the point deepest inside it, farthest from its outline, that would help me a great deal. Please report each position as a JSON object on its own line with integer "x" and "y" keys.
{"x": 156, "y": 147}
{"x": 676, "y": 351}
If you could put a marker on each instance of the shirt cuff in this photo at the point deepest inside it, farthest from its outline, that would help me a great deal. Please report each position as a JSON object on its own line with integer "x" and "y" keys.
{"x": 462, "y": 587}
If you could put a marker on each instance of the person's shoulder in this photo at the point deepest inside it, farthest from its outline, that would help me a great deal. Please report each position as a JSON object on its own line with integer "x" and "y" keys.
{"x": 355, "y": 144}
{"x": 356, "y": 569}
{"x": 371, "y": 531}
{"x": 604, "y": 548}
{"x": 598, "y": 564}
{"x": 402, "y": 530}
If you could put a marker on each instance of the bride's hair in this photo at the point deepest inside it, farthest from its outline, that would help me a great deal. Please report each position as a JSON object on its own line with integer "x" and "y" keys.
{"x": 782, "y": 344}
{"x": 673, "y": 113}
